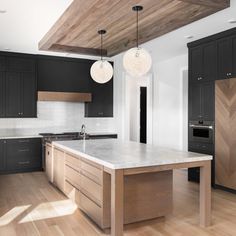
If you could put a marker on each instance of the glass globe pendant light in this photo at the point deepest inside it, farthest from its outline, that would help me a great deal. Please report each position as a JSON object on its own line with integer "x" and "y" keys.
{"x": 137, "y": 61}
{"x": 101, "y": 71}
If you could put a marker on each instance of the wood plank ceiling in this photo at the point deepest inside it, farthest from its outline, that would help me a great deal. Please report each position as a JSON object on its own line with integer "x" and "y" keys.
{"x": 76, "y": 30}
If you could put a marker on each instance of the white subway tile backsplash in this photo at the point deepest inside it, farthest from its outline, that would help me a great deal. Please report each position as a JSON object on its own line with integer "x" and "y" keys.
{"x": 58, "y": 117}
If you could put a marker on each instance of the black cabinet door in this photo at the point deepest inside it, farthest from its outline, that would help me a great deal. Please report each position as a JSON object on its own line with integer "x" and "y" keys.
{"x": 102, "y": 100}
{"x": 196, "y": 64}
{"x": 20, "y": 64}
{"x": 209, "y": 62}
{"x": 195, "y": 102}
{"x": 13, "y": 94}
{"x": 225, "y": 58}
{"x": 28, "y": 95}
{"x": 234, "y": 56}
{"x": 2, "y": 94}
{"x": 2, "y": 156}
{"x": 208, "y": 101}
{"x": 23, "y": 154}
{"x": 2, "y": 63}
{"x": 64, "y": 74}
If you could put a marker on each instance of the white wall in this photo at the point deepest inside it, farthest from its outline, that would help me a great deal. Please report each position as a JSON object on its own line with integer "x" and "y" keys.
{"x": 58, "y": 117}
{"x": 167, "y": 104}
{"x": 168, "y": 90}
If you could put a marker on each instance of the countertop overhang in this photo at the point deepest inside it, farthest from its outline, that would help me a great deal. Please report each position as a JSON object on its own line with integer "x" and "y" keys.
{"x": 116, "y": 154}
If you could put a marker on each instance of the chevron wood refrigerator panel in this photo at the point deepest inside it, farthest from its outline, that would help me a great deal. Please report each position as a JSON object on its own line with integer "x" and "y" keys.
{"x": 225, "y": 133}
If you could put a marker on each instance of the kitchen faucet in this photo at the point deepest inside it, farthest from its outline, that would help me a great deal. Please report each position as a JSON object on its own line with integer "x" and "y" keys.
{"x": 83, "y": 131}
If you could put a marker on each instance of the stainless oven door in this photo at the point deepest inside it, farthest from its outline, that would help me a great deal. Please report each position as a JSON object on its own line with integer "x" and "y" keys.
{"x": 201, "y": 133}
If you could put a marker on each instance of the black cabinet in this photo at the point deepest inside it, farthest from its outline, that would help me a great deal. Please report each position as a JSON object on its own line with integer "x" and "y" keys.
{"x": 13, "y": 94}
{"x": 60, "y": 74}
{"x": 20, "y": 94}
{"x": 20, "y": 155}
{"x": 2, "y": 94}
{"x": 102, "y": 100}
{"x": 225, "y": 58}
{"x": 203, "y": 63}
{"x": 2, "y": 63}
{"x": 202, "y": 101}
{"x": 2, "y": 156}
{"x": 18, "y": 86}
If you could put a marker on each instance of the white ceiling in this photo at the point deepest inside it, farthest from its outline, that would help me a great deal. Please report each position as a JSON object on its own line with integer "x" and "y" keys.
{"x": 27, "y": 21}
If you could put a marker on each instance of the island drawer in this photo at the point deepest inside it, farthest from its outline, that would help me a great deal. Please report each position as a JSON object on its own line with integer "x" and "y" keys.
{"x": 72, "y": 192}
{"x": 91, "y": 171}
{"x": 90, "y": 208}
{"x": 91, "y": 189}
{"x": 72, "y": 176}
{"x": 73, "y": 161}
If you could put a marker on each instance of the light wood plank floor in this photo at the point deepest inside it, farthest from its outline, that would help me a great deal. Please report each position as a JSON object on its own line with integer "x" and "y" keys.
{"x": 30, "y": 206}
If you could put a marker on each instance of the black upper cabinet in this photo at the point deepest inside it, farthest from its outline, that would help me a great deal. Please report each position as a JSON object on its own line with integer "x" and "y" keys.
{"x": 28, "y": 94}
{"x": 102, "y": 100}
{"x": 64, "y": 74}
{"x": 234, "y": 56}
{"x": 18, "y": 86}
{"x": 20, "y": 64}
{"x": 20, "y": 94}
{"x": 2, "y": 63}
{"x": 196, "y": 61}
{"x": 203, "y": 63}
{"x": 225, "y": 58}
{"x": 201, "y": 101}
{"x": 13, "y": 94}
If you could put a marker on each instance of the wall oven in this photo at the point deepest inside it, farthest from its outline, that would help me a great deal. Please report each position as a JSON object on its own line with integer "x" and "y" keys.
{"x": 201, "y": 131}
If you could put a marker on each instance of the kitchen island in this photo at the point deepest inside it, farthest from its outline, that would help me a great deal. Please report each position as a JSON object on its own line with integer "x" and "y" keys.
{"x": 116, "y": 182}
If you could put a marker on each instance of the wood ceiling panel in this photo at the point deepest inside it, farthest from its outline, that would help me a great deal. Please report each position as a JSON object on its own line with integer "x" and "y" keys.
{"x": 76, "y": 30}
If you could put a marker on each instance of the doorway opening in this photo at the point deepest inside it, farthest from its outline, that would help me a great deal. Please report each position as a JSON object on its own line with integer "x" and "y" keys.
{"x": 143, "y": 115}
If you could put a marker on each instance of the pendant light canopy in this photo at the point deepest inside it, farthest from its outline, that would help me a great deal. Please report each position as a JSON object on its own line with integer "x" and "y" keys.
{"x": 137, "y": 61}
{"x": 101, "y": 71}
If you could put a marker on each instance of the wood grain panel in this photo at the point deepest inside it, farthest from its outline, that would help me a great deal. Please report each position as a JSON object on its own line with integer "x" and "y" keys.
{"x": 76, "y": 30}
{"x": 64, "y": 97}
{"x": 225, "y": 133}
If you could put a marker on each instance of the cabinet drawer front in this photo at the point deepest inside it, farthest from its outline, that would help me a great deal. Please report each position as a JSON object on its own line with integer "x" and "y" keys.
{"x": 203, "y": 148}
{"x": 72, "y": 176}
{"x": 90, "y": 208}
{"x": 73, "y": 161}
{"x": 22, "y": 163}
{"x": 92, "y": 172}
{"x": 72, "y": 192}
{"x": 24, "y": 147}
{"x": 91, "y": 189}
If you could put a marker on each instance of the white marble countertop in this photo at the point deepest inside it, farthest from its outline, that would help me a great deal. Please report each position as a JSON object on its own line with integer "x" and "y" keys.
{"x": 116, "y": 154}
{"x": 17, "y": 135}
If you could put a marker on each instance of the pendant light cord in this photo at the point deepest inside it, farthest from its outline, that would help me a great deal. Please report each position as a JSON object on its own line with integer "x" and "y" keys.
{"x": 101, "y": 46}
{"x": 137, "y": 36}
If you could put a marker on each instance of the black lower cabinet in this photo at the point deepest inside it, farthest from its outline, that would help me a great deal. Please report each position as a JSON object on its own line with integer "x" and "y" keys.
{"x": 21, "y": 155}
{"x": 2, "y": 156}
{"x": 203, "y": 148}
{"x": 102, "y": 136}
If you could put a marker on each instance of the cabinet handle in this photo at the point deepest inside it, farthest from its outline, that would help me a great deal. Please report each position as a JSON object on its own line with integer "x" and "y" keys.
{"x": 23, "y": 162}
{"x": 23, "y": 150}
{"x": 23, "y": 141}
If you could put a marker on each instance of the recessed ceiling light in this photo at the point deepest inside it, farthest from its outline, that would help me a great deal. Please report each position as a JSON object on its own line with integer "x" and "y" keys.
{"x": 232, "y": 21}
{"x": 188, "y": 36}
{"x": 2, "y": 11}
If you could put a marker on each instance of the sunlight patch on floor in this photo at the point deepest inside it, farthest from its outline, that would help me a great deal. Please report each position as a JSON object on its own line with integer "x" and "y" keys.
{"x": 12, "y": 214}
{"x": 50, "y": 210}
